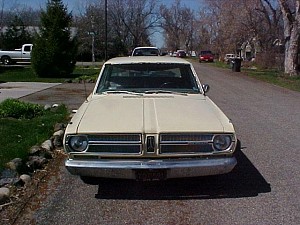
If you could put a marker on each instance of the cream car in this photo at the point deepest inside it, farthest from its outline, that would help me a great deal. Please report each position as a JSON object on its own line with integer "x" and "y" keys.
{"x": 148, "y": 118}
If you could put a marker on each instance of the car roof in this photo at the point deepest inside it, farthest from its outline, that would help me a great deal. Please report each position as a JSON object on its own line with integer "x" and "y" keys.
{"x": 145, "y": 47}
{"x": 146, "y": 59}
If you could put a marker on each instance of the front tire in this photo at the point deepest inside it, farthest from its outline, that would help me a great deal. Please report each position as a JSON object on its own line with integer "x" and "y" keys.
{"x": 6, "y": 60}
{"x": 90, "y": 180}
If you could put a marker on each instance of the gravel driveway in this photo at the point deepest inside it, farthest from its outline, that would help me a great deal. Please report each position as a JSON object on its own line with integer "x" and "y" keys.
{"x": 70, "y": 94}
{"x": 263, "y": 188}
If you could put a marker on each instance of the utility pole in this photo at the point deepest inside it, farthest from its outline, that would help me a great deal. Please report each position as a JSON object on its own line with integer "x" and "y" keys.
{"x": 105, "y": 51}
{"x": 93, "y": 41}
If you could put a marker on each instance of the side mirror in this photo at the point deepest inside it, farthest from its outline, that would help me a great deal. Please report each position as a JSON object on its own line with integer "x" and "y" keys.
{"x": 205, "y": 88}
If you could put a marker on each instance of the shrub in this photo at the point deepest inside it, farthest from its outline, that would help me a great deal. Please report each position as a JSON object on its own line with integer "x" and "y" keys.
{"x": 19, "y": 110}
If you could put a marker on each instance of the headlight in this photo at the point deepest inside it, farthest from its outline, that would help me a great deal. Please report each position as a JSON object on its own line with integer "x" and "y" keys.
{"x": 78, "y": 143}
{"x": 222, "y": 142}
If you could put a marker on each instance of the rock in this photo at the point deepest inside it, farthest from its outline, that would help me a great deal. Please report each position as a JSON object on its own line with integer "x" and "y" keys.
{"x": 8, "y": 181}
{"x": 36, "y": 162}
{"x": 14, "y": 164}
{"x": 57, "y": 141}
{"x": 8, "y": 173}
{"x": 25, "y": 178}
{"x": 59, "y": 126}
{"x": 48, "y": 145}
{"x": 59, "y": 133}
{"x": 4, "y": 195}
{"x": 35, "y": 150}
{"x": 46, "y": 154}
{"x": 39, "y": 151}
{"x": 47, "y": 107}
{"x": 17, "y": 165}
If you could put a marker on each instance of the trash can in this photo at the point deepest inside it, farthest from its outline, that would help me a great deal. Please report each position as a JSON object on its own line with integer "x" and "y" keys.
{"x": 236, "y": 64}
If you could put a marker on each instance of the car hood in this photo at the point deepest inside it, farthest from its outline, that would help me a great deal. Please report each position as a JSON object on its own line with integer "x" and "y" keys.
{"x": 149, "y": 114}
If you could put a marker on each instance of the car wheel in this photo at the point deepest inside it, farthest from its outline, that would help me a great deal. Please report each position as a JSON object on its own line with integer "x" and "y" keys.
{"x": 90, "y": 180}
{"x": 6, "y": 60}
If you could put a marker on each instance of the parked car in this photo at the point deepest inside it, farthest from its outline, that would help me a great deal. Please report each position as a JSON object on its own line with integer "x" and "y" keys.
{"x": 22, "y": 54}
{"x": 206, "y": 56}
{"x": 228, "y": 58}
{"x": 149, "y": 118}
{"x": 145, "y": 51}
{"x": 181, "y": 54}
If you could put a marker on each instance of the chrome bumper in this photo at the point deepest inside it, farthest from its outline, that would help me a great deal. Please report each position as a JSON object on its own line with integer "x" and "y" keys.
{"x": 126, "y": 169}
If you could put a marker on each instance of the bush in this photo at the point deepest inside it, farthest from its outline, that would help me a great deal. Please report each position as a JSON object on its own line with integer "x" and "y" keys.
{"x": 19, "y": 110}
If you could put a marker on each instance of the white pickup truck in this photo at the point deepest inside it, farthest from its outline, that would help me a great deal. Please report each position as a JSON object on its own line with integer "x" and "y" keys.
{"x": 18, "y": 55}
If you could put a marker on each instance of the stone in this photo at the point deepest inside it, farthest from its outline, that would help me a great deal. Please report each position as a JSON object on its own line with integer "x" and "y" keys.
{"x": 15, "y": 164}
{"x": 59, "y": 133}
{"x": 59, "y": 126}
{"x": 4, "y": 195}
{"x": 8, "y": 181}
{"x": 39, "y": 151}
{"x": 47, "y": 107}
{"x": 25, "y": 178}
{"x": 57, "y": 141}
{"x": 48, "y": 145}
{"x": 35, "y": 150}
{"x": 8, "y": 173}
{"x": 36, "y": 162}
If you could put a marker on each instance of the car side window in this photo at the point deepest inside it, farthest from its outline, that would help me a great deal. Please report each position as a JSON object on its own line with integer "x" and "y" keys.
{"x": 27, "y": 49}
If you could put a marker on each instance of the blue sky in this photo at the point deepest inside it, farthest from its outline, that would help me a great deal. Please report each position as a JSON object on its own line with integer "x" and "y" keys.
{"x": 79, "y": 5}
{"x": 75, "y": 5}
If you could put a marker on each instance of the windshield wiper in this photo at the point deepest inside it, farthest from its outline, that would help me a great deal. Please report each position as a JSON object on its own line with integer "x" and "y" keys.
{"x": 121, "y": 92}
{"x": 164, "y": 92}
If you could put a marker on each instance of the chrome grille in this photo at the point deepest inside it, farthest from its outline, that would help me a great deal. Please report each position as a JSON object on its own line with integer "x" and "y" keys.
{"x": 115, "y": 143}
{"x": 186, "y": 143}
{"x": 185, "y": 137}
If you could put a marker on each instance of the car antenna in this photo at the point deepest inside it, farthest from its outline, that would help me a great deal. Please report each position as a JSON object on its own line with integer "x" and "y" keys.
{"x": 84, "y": 84}
{"x": 85, "y": 91}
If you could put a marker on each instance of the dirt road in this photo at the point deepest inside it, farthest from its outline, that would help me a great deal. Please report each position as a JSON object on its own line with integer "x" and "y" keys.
{"x": 262, "y": 189}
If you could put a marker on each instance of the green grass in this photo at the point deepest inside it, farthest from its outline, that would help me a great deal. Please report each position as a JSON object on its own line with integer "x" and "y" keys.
{"x": 19, "y": 135}
{"x": 26, "y": 74}
{"x": 275, "y": 77}
{"x": 268, "y": 75}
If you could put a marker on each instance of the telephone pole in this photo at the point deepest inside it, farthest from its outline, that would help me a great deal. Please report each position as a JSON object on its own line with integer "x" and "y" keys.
{"x": 105, "y": 51}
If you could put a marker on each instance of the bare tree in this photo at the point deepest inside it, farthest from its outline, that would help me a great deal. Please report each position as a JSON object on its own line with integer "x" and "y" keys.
{"x": 134, "y": 20}
{"x": 228, "y": 26}
{"x": 291, "y": 20}
{"x": 178, "y": 24}
{"x": 90, "y": 30}
{"x": 223, "y": 22}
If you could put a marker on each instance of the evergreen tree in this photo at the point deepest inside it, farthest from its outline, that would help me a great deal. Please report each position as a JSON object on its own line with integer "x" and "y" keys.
{"x": 54, "y": 50}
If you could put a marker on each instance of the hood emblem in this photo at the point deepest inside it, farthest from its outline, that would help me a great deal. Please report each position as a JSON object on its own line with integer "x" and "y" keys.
{"x": 150, "y": 144}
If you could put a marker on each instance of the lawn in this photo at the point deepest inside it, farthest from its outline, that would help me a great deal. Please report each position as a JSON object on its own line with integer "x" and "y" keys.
{"x": 272, "y": 76}
{"x": 19, "y": 135}
{"x": 26, "y": 74}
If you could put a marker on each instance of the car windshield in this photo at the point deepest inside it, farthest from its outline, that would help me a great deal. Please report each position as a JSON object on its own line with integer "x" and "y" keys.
{"x": 205, "y": 53}
{"x": 147, "y": 78}
{"x": 146, "y": 52}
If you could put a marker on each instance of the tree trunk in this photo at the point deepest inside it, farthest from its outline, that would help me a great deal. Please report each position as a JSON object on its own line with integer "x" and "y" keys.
{"x": 291, "y": 22}
{"x": 291, "y": 53}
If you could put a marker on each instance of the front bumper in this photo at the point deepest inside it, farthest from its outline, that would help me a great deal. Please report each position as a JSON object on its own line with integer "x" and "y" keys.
{"x": 126, "y": 169}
